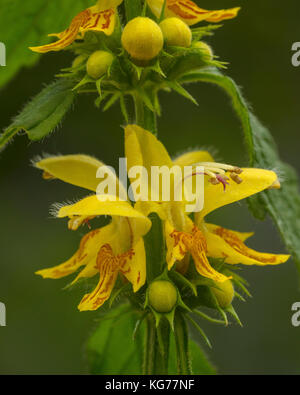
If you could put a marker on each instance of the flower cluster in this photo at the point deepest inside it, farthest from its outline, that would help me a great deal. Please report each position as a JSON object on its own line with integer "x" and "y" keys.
{"x": 167, "y": 262}
{"x": 118, "y": 248}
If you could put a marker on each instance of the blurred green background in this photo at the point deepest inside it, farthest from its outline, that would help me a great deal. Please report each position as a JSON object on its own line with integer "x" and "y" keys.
{"x": 45, "y": 333}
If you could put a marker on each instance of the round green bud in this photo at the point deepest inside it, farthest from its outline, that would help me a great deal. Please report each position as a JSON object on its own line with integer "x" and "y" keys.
{"x": 224, "y": 293}
{"x": 162, "y": 296}
{"x": 142, "y": 38}
{"x": 98, "y": 63}
{"x": 176, "y": 32}
{"x": 78, "y": 61}
{"x": 206, "y": 49}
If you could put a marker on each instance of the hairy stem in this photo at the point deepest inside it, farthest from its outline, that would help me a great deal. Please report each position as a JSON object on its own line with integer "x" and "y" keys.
{"x": 143, "y": 115}
{"x": 182, "y": 345}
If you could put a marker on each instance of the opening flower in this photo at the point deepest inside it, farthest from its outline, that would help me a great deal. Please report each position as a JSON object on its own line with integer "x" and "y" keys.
{"x": 99, "y": 18}
{"x": 189, "y": 12}
{"x": 224, "y": 184}
{"x": 113, "y": 249}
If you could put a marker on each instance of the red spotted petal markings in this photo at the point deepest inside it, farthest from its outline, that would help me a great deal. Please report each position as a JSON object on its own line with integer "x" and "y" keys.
{"x": 90, "y": 19}
{"x": 189, "y": 12}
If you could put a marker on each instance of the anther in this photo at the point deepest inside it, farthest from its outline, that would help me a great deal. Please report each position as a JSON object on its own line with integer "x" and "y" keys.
{"x": 234, "y": 176}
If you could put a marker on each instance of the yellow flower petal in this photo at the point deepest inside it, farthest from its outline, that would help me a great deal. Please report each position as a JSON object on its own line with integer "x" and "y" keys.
{"x": 91, "y": 206}
{"x": 90, "y": 270}
{"x": 142, "y": 148}
{"x": 132, "y": 264}
{"x": 87, "y": 252}
{"x": 108, "y": 267}
{"x": 254, "y": 181}
{"x": 224, "y": 243}
{"x": 151, "y": 207}
{"x": 134, "y": 269}
{"x": 107, "y": 4}
{"x": 192, "y": 157}
{"x": 176, "y": 248}
{"x": 180, "y": 243}
{"x": 189, "y": 12}
{"x": 94, "y": 18}
{"x": 79, "y": 170}
{"x": 243, "y": 236}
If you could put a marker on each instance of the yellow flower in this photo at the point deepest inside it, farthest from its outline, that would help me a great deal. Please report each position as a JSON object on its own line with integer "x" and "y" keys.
{"x": 189, "y": 12}
{"x": 108, "y": 251}
{"x": 99, "y": 18}
{"x": 201, "y": 240}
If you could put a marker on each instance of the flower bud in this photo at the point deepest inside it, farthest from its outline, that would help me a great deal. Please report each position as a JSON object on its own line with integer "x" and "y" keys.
{"x": 162, "y": 296}
{"x": 205, "y": 48}
{"x": 142, "y": 38}
{"x": 98, "y": 63}
{"x": 224, "y": 293}
{"x": 176, "y": 32}
{"x": 78, "y": 61}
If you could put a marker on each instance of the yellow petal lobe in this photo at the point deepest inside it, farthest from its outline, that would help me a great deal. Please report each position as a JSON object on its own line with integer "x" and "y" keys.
{"x": 180, "y": 243}
{"x": 92, "y": 18}
{"x": 223, "y": 243}
{"x": 189, "y": 12}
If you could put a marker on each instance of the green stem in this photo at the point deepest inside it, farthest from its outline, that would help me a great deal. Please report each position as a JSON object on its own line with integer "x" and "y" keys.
{"x": 162, "y": 351}
{"x": 156, "y": 355}
{"x": 182, "y": 345}
{"x": 143, "y": 115}
{"x": 150, "y": 346}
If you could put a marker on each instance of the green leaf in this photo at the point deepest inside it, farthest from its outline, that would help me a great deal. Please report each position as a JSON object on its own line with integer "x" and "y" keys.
{"x": 27, "y": 23}
{"x": 282, "y": 205}
{"x": 43, "y": 113}
{"x": 199, "y": 361}
{"x": 181, "y": 91}
{"x": 202, "y": 31}
{"x": 111, "y": 348}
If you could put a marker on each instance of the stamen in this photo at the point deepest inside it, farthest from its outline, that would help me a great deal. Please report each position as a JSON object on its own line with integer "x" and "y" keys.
{"x": 210, "y": 173}
{"x": 236, "y": 178}
{"x": 223, "y": 181}
{"x": 221, "y": 166}
{"x": 77, "y": 220}
{"x": 215, "y": 170}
